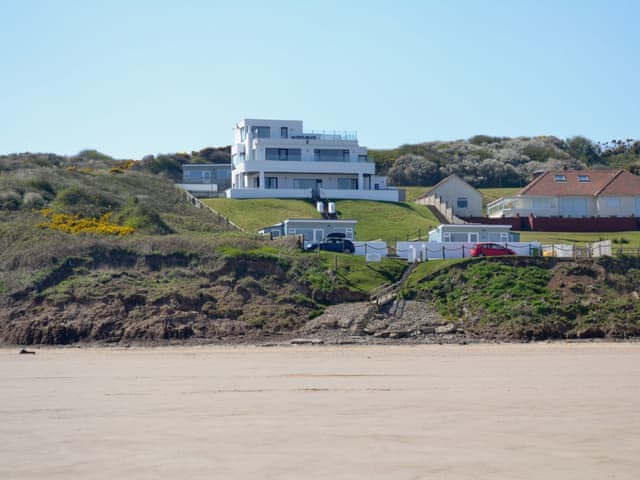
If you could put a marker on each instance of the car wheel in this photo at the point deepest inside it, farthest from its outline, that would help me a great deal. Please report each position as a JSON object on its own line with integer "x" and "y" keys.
{"x": 480, "y": 255}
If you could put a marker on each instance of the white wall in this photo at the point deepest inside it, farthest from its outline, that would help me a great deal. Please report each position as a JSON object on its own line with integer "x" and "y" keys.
{"x": 624, "y": 208}
{"x": 363, "y": 248}
{"x": 455, "y": 187}
{"x": 439, "y": 251}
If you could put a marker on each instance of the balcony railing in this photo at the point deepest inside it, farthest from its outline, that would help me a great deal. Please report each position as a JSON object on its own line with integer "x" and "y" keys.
{"x": 326, "y": 135}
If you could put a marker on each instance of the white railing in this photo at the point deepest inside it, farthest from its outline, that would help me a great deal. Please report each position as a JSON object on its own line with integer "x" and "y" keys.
{"x": 387, "y": 195}
{"x": 442, "y": 206}
{"x": 268, "y": 193}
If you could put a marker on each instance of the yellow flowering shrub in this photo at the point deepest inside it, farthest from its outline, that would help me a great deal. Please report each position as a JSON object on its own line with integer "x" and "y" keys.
{"x": 75, "y": 224}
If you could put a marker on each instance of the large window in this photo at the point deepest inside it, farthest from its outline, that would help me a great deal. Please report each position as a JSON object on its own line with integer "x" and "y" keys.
{"x": 271, "y": 182}
{"x": 284, "y": 132}
{"x": 613, "y": 202}
{"x": 330, "y": 155}
{"x": 462, "y": 202}
{"x": 304, "y": 183}
{"x": 261, "y": 132}
{"x": 283, "y": 154}
{"x": 347, "y": 183}
{"x": 196, "y": 175}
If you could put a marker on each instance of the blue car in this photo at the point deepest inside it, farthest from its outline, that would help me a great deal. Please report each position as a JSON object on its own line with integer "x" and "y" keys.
{"x": 340, "y": 245}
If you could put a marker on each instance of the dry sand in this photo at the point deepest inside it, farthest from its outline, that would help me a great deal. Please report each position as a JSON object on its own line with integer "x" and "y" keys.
{"x": 543, "y": 411}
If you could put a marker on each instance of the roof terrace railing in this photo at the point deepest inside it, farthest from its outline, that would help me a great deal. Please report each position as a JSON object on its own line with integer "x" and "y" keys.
{"x": 327, "y": 135}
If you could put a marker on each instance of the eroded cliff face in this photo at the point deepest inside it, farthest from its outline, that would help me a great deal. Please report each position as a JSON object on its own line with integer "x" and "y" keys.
{"x": 119, "y": 296}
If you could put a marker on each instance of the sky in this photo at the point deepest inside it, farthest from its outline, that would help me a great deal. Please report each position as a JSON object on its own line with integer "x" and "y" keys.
{"x": 137, "y": 77}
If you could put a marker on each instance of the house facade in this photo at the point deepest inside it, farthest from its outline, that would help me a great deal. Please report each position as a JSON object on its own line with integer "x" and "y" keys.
{"x": 278, "y": 159}
{"x": 312, "y": 229}
{"x": 574, "y": 194}
{"x": 457, "y": 195}
{"x": 473, "y": 233}
{"x": 206, "y": 179}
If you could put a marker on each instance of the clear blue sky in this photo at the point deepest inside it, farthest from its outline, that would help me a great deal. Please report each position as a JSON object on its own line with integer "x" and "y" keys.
{"x": 150, "y": 76}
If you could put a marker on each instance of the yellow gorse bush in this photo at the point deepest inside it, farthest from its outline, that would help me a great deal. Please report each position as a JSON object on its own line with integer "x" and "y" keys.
{"x": 75, "y": 224}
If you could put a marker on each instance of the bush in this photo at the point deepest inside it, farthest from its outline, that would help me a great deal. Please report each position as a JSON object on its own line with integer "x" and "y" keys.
{"x": 78, "y": 201}
{"x": 142, "y": 218}
{"x": 10, "y": 200}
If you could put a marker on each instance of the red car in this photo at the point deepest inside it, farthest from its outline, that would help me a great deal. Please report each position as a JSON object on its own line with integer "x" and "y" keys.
{"x": 490, "y": 250}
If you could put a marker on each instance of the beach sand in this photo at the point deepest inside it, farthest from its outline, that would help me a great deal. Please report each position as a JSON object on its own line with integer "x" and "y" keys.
{"x": 541, "y": 411}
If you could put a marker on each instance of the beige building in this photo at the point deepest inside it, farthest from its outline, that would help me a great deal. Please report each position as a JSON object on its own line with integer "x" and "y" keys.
{"x": 458, "y": 195}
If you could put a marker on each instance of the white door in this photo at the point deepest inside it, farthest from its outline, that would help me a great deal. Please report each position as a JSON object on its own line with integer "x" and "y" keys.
{"x": 573, "y": 207}
{"x": 318, "y": 235}
{"x": 473, "y": 238}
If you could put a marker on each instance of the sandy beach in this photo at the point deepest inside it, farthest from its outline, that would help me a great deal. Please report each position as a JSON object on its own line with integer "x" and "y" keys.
{"x": 404, "y": 412}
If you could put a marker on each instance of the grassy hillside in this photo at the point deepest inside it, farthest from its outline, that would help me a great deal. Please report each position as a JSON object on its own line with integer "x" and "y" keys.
{"x": 534, "y": 298}
{"x": 376, "y": 220}
{"x": 254, "y": 214}
{"x": 387, "y": 221}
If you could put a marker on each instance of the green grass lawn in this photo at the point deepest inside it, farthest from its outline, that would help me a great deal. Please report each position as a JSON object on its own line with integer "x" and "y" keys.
{"x": 412, "y": 193}
{"x": 386, "y": 220}
{"x": 623, "y": 239}
{"x": 257, "y": 213}
{"x": 376, "y": 220}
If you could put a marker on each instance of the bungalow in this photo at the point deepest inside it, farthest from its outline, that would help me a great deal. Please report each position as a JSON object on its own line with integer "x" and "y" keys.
{"x": 312, "y": 229}
{"x": 574, "y": 194}
{"x": 473, "y": 233}
{"x": 206, "y": 179}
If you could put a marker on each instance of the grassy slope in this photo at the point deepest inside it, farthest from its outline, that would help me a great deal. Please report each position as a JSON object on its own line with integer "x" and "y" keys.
{"x": 534, "y": 298}
{"x": 254, "y": 214}
{"x": 385, "y": 220}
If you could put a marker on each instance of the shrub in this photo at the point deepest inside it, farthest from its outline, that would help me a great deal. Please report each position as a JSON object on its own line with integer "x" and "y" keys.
{"x": 10, "y": 200}
{"x": 142, "y": 218}
{"x": 78, "y": 201}
{"x": 33, "y": 200}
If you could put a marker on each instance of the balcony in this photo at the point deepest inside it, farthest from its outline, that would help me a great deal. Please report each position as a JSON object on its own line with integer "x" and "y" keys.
{"x": 386, "y": 195}
{"x": 327, "y": 135}
{"x": 239, "y": 193}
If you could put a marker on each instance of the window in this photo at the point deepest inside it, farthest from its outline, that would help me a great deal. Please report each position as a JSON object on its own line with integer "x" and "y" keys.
{"x": 613, "y": 202}
{"x": 584, "y": 178}
{"x": 561, "y": 178}
{"x": 262, "y": 132}
{"x": 304, "y": 183}
{"x": 330, "y": 155}
{"x": 363, "y": 158}
{"x": 243, "y": 134}
{"x": 347, "y": 183}
{"x": 284, "y": 132}
{"x": 459, "y": 237}
{"x": 462, "y": 202}
{"x": 283, "y": 154}
{"x": 194, "y": 175}
{"x": 271, "y": 182}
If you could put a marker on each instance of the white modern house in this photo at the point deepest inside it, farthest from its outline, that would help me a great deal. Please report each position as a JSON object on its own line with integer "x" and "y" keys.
{"x": 278, "y": 159}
